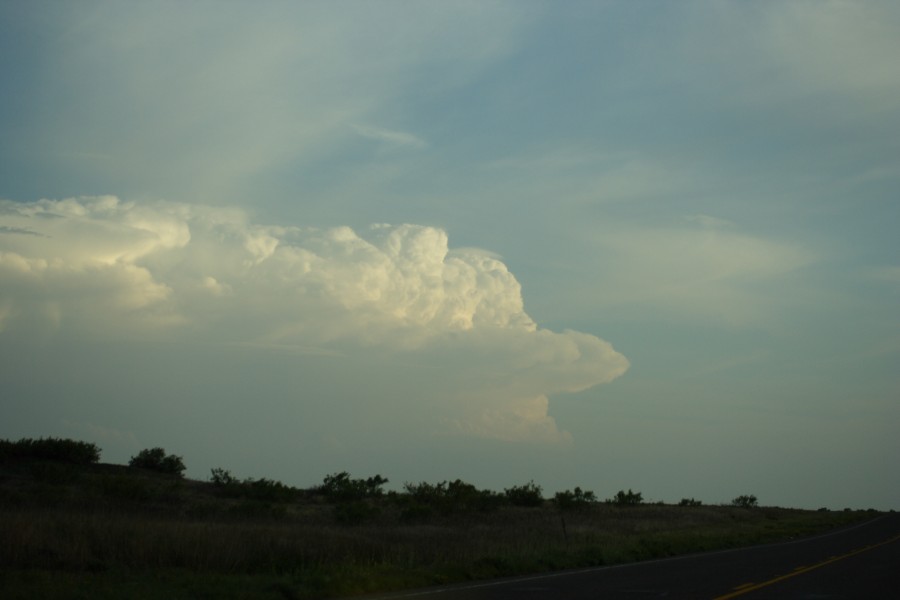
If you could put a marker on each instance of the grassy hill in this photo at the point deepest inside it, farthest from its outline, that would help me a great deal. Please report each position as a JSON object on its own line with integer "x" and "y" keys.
{"x": 84, "y": 529}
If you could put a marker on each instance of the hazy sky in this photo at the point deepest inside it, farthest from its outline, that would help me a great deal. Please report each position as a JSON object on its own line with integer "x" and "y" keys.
{"x": 635, "y": 244}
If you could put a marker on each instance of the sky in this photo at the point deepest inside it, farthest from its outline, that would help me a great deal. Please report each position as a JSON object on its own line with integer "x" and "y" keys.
{"x": 646, "y": 245}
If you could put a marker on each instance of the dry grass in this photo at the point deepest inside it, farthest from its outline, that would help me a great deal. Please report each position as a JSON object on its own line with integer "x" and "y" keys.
{"x": 108, "y": 527}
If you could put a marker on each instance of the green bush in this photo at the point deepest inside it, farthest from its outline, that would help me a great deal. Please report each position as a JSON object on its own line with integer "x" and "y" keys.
{"x": 689, "y": 502}
{"x": 446, "y": 497}
{"x": 256, "y": 489}
{"x": 340, "y": 487}
{"x": 422, "y": 500}
{"x": 64, "y": 450}
{"x": 267, "y": 489}
{"x": 745, "y": 501}
{"x": 222, "y": 477}
{"x": 529, "y": 494}
{"x": 629, "y": 498}
{"x": 574, "y": 499}
{"x": 155, "y": 459}
{"x": 465, "y": 497}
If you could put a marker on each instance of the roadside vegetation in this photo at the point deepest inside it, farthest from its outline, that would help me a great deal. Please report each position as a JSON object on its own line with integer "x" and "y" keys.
{"x": 72, "y": 525}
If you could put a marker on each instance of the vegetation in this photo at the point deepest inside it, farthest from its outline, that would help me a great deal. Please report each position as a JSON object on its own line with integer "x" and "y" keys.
{"x": 115, "y": 531}
{"x": 155, "y": 459}
{"x": 689, "y": 502}
{"x": 524, "y": 495}
{"x": 576, "y": 499}
{"x": 340, "y": 487}
{"x": 70, "y": 451}
{"x": 629, "y": 498}
{"x": 745, "y": 501}
{"x": 255, "y": 489}
{"x": 424, "y": 500}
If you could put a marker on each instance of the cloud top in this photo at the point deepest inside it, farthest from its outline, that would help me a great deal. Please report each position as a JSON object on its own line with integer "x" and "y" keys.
{"x": 101, "y": 267}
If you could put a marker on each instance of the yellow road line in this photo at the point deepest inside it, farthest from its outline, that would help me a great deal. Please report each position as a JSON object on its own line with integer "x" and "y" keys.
{"x": 743, "y": 589}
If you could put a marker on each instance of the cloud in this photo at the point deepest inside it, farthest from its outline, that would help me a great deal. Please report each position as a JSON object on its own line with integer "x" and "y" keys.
{"x": 706, "y": 269}
{"x": 397, "y": 138}
{"x": 837, "y": 46}
{"x": 218, "y": 98}
{"x": 101, "y": 268}
{"x": 16, "y": 230}
{"x": 709, "y": 221}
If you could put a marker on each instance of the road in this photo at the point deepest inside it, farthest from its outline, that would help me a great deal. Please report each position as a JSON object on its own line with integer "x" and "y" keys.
{"x": 861, "y": 561}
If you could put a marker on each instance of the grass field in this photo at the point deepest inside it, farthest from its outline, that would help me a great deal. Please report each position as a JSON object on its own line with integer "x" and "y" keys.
{"x": 110, "y": 531}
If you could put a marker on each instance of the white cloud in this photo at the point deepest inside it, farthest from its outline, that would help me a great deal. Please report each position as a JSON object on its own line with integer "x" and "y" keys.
{"x": 102, "y": 268}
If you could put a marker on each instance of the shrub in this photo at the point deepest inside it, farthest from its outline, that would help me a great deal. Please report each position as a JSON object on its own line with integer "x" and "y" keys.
{"x": 426, "y": 492}
{"x": 574, "y": 499}
{"x": 267, "y": 489}
{"x": 689, "y": 502}
{"x": 155, "y": 459}
{"x": 465, "y": 497}
{"x": 339, "y": 487}
{"x": 524, "y": 495}
{"x": 65, "y": 450}
{"x": 222, "y": 477}
{"x": 745, "y": 501}
{"x": 422, "y": 499}
{"x": 256, "y": 489}
{"x": 629, "y": 498}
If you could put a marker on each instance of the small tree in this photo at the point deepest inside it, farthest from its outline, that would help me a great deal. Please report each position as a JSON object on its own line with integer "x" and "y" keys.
{"x": 447, "y": 497}
{"x": 223, "y": 477}
{"x": 745, "y": 501}
{"x": 524, "y": 495}
{"x": 574, "y": 499}
{"x": 155, "y": 459}
{"x": 689, "y": 502}
{"x": 629, "y": 498}
{"x": 340, "y": 487}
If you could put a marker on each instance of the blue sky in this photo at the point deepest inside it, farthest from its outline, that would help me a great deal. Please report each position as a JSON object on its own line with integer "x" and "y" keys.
{"x": 606, "y": 244}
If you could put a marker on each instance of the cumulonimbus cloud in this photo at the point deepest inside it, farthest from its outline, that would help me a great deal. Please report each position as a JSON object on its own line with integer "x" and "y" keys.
{"x": 102, "y": 267}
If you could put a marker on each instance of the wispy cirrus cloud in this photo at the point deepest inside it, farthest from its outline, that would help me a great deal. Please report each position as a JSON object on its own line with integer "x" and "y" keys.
{"x": 4, "y": 229}
{"x": 227, "y": 95}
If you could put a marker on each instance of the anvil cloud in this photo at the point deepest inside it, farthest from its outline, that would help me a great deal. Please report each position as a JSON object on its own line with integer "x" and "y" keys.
{"x": 102, "y": 268}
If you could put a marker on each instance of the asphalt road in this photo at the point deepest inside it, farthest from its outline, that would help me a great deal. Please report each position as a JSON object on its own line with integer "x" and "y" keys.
{"x": 861, "y": 561}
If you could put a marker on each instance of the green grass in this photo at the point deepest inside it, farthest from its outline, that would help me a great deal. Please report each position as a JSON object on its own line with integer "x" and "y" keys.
{"x": 107, "y": 531}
